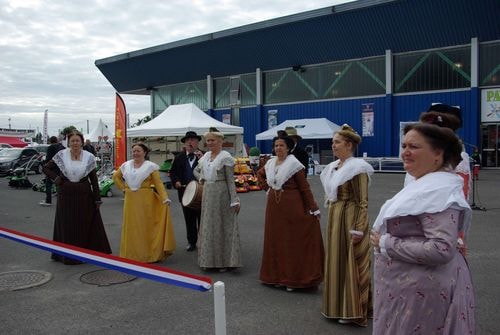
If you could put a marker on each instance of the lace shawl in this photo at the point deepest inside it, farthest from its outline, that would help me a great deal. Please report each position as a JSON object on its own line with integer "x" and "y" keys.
{"x": 134, "y": 177}
{"x": 277, "y": 175}
{"x": 331, "y": 178}
{"x": 432, "y": 193}
{"x": 209, "y": 168}
{"x": 74, "y": 170}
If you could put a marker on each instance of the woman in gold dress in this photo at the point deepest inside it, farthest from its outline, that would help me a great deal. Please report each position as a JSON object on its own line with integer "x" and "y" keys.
{"x": 347, "y": 295}
{"x": 147, "y": 231}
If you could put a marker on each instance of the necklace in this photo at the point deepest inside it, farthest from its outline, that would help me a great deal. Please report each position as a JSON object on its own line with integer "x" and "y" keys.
{"x": 277, "y": 195}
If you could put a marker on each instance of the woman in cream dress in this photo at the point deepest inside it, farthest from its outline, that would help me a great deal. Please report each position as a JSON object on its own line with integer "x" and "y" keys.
{"x": 219, "y": 236}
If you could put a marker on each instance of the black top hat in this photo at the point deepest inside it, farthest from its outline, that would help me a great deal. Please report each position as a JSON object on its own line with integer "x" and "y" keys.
{"x": 190, "y": 134}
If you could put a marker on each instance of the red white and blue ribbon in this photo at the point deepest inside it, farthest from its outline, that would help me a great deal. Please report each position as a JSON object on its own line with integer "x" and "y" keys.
{"x": 139, "y": 269}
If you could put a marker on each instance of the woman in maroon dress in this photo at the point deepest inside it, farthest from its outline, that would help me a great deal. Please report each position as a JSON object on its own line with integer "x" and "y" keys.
{"x": 293, "y": 247}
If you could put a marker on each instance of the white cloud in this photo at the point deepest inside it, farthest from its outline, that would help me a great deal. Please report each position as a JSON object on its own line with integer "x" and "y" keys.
{"x": 48, "y": 50}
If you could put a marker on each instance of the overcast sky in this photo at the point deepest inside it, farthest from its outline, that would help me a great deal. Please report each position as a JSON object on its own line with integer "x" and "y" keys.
{"x": 48, "y": 50}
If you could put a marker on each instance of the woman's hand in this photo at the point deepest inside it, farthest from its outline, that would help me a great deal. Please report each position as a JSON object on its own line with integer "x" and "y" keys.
{"x": 375, "y": 240}
{"x": 237, "y": 208}
{"x": 316, "y": 213}
{"x": 356, "y": 237}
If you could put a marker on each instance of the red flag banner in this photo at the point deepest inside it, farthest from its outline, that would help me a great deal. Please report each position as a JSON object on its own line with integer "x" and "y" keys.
{"x": 120, "y": 132}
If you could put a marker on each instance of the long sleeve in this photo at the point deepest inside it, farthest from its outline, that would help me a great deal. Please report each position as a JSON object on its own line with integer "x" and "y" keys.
{"x": 437, "y": 246}
{"x": 176, "y": 169}
{"x": 360, "y": 189}
{"x": 305, "y": 191}
{"x": 95, "y": 184}
{"x": 51, "y": 170}
{"x": 118, "y": 179}
{"x": 197, "y": 172}
{"x": 158, "y": 184}
{"x": 262, "y": 179}
{"x": 229, "y": 175}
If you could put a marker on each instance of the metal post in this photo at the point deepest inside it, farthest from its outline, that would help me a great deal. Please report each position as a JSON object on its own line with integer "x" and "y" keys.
{"x": 220, "y": 308}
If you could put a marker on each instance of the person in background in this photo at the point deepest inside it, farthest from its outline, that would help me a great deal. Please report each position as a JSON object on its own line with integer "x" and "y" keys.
{"x": 181, "y": 173}
{"x": 147, "y": 231}
{"x": 219, "y": 236}
{"x": 78, "y": 219}
{"x": 54, "y": 147}
{"x": 347, "y": 289}
{"x": 422, "y": 281}
{"x": 89, "y": 147}
{"x": 293, "y": 254}
{"x": 297, "y": 150}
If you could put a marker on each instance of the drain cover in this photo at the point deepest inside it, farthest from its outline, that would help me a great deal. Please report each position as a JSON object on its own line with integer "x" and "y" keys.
{"x": 105, "y": 277}
{"x": 20, "y": 280}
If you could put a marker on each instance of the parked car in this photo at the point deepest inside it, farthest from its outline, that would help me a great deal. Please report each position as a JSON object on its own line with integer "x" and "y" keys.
{"x": 11, "y": 158}
{"x": 41, "y": 148}
{"x": 386, "y": 164}
{"x": 4, "y": 146}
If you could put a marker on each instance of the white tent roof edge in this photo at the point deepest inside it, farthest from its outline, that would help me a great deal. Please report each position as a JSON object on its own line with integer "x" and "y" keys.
{"x": 176, "y": 120}
{"x": 313, "y": 128}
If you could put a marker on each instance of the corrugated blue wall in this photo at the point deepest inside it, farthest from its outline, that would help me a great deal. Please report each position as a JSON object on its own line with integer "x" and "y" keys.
{"x": 389, "y": 111}
{"x": 409, "y": 107}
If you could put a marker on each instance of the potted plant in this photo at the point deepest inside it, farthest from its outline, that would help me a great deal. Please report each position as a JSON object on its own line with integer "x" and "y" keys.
{"x": 254, "y": 155}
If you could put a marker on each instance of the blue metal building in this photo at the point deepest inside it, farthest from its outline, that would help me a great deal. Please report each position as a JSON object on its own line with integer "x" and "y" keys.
{"x": 373, "y": 64}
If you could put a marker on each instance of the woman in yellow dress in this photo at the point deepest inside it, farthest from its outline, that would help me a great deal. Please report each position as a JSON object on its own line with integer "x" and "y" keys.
{"x": 147, "y": 231}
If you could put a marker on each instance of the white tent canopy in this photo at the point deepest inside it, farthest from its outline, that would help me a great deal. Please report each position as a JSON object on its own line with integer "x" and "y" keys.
{"x": 100, "y": 132}
{"x": 306, "y": 128}
{"x": 176, "y": 120}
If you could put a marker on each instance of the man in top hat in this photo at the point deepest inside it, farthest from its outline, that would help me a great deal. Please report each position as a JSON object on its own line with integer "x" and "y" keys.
{"x": 181, "y": 173}
{"x": 297, "y": 151}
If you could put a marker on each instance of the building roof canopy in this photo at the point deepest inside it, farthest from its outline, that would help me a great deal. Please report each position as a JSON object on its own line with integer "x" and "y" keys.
{"x": 358, "y": 29}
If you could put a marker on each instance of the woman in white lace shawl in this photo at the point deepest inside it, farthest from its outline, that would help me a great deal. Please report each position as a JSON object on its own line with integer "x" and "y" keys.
{"x": 218, "y": 237}
{"x": 78, "y": 220}
{"x": 293, "y": 254}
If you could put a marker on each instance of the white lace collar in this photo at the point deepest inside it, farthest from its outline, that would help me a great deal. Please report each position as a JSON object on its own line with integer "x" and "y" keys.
{"x": 210, "y": 168}
{"x": 135, "y": 177}
{"x": 277, "y": 175}
{"x": 432, "y": 193}
{"x": 332, "y": 178}
{"x": 74, "y": 170}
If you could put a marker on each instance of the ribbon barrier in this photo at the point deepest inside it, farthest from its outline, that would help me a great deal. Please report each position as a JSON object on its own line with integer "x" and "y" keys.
{"x": 144, "y": 270}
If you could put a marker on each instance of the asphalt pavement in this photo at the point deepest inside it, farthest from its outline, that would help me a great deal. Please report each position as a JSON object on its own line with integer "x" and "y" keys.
{"x": 66, "y": 305}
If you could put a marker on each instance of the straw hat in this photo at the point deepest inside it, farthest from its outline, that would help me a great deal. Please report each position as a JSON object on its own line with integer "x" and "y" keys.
{"x": 292, "y": 132}
{"x": 215, "y": 132}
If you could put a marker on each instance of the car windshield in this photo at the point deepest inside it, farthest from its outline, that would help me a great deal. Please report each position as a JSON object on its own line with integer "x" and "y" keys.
{"x": 10, "y": 152}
